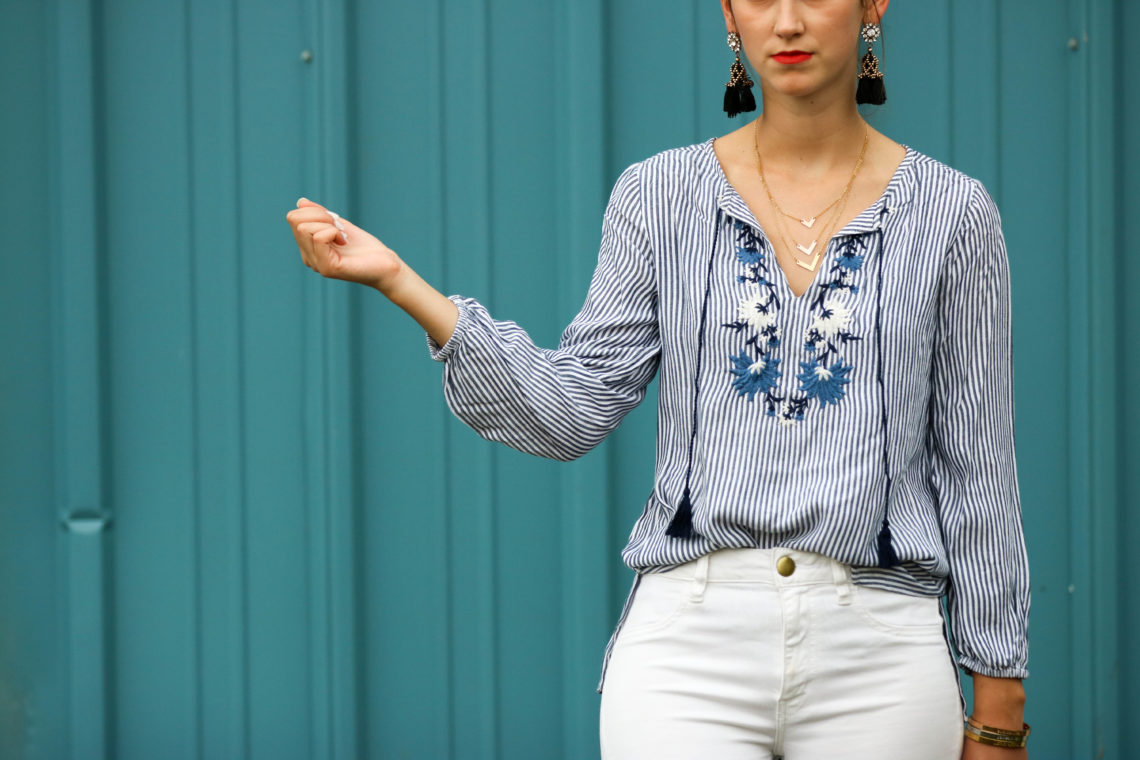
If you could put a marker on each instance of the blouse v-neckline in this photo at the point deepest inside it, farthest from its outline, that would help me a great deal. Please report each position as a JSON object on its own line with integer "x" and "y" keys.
{"x": 865, "y": 221}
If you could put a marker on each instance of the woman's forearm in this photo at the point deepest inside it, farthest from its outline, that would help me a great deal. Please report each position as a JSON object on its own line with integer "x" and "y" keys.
{"x": 434, "y": 311}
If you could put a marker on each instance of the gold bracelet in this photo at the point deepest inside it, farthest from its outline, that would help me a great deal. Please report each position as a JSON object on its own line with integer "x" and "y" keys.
{"x": 982, "y": 727}
{"x": 997, "y": 737}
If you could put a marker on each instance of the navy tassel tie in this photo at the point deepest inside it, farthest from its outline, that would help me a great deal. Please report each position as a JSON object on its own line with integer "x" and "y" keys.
{"x": 887, "y": 555}
{"x": 682, "y": 523}
{"x": 681, "y": 526}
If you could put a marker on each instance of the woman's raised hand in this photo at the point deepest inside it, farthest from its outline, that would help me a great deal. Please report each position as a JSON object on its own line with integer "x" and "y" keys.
{"x": 346, "y": 252}
{"x": 342, "y": 253}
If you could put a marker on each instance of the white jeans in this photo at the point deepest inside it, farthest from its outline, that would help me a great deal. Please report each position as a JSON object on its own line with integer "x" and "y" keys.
{"x": 725, "y": 658}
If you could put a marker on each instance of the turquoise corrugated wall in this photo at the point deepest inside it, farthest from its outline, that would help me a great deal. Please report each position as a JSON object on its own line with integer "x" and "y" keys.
{"x": 236, "y": 519}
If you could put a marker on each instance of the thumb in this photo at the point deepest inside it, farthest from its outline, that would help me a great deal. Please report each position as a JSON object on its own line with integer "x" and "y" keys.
{"x": 305, "y": 202}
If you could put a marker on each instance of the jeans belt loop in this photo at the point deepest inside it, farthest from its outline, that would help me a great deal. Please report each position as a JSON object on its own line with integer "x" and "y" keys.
{"x": 700, "y": 578}
{"x": 842, "y": 578}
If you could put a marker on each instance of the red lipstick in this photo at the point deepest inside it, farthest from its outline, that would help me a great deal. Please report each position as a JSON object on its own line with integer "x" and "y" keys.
{"x": 791, "y": 56}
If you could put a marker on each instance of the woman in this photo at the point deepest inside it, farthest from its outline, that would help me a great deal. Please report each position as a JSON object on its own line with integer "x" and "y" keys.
{"x": 829, "y": 314}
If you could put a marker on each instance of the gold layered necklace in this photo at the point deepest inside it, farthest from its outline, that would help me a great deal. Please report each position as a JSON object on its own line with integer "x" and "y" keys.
{"x": 837, "y": 205}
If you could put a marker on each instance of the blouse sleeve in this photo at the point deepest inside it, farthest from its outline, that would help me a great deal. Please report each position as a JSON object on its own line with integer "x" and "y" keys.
{"x": 563, "y": 402}
{"x": 974, "y": 469}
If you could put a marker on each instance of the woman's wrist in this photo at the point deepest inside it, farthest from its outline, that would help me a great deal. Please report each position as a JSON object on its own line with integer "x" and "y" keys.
{"x": 999, "y": 702}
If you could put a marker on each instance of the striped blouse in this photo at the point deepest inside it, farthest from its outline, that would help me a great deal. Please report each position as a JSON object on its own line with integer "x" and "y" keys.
{"x": 869, "y": 420}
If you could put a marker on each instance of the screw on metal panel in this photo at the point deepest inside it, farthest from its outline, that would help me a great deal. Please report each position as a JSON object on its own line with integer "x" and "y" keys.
{"x": 306, "y": 55}
{"x": 1074, "y": 43}
{"x": 86, "y": 521}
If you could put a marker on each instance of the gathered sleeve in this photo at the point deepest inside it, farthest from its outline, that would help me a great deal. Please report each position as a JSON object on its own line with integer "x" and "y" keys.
{"x": 974, "y": 470}
{"x": 560, "y": 403}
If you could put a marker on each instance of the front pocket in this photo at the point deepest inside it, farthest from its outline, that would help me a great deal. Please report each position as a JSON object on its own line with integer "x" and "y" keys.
{"x": 657, "y": 602}
{"x": 895, "y": 612}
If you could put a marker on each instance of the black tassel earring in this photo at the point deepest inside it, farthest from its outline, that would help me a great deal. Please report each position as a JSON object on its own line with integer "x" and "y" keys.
{"x": 738, "y": 92}
{"x": 871, "y": 89}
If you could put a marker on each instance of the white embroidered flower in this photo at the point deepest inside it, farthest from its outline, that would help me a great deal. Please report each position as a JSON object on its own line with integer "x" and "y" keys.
{"x": 757, "y": 367}
{"x": 833, "y": 320}
{"x": 822, "y": 372}
{"x": 749, "y": 312}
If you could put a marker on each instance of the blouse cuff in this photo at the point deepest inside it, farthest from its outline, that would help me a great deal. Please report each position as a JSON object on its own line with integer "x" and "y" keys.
{"x": 972, "y": 666}
{"x": 442, "y": 353}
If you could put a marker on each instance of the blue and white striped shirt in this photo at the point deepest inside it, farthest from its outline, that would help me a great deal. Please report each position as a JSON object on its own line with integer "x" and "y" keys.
{"x": 798, "y": 422}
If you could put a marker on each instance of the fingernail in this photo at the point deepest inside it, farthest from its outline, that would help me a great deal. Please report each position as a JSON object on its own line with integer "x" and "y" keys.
{"x": 299, "y": 200}
{"x": 336, "y": 221}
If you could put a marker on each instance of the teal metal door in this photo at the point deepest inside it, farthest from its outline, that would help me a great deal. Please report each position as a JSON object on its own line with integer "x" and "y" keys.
{"x": 236, "y": 519}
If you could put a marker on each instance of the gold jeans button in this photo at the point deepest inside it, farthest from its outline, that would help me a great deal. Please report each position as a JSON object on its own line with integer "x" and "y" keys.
{"x": 785, "y": 565}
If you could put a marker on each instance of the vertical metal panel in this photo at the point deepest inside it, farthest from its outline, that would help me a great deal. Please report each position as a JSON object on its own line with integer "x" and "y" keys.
{"x": 33, "y": 582}
{"x": 151, "y": 478}
{"x": 278, "y": 308}
{"x": 1082, "y": 570}
{"x": 1125, "y": 403}
{"x": 1102, "y": 106}
{"x": 398, "y": 91}
{"x": 220, "y": 530}
{"x": 79, "y": 373}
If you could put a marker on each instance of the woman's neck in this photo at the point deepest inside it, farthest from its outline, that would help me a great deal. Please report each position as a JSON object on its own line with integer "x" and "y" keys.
{"x": 806, "y": 139}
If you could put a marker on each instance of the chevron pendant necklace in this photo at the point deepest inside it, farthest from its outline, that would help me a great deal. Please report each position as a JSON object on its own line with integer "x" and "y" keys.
{"x": 838, "y": 204}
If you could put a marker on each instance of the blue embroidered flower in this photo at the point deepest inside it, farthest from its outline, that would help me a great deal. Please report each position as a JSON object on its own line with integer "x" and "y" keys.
{"x": 749, "y": 256}
{"x": 754, "y": 376}
{"x": 825, "y": 384}
{"x": 848, "y": 257}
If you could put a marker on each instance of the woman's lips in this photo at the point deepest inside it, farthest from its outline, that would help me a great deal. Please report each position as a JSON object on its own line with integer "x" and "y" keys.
{"x": 795, "y": 56}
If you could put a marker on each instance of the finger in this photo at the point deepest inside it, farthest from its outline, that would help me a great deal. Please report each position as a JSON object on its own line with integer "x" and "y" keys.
{"x": 309, "y": 214}
{"x": 305, "y": 203}
{"x": 327, "y": 237}
{"x": 306, "y": 246}
{"x": 304, "y": 243}
{"x": 312, "y": 228}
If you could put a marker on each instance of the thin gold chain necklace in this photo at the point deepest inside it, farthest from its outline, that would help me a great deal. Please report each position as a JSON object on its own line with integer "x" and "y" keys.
{"x": 810, "y": 221}
{"x": 841, "y": 201}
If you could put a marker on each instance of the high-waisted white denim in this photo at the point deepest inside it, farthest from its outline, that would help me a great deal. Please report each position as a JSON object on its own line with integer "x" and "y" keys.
{"x": 726, "y": 657}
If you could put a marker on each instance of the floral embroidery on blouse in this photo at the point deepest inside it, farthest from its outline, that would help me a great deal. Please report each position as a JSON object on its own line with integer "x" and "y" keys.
{"x": 755, "y": 370}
